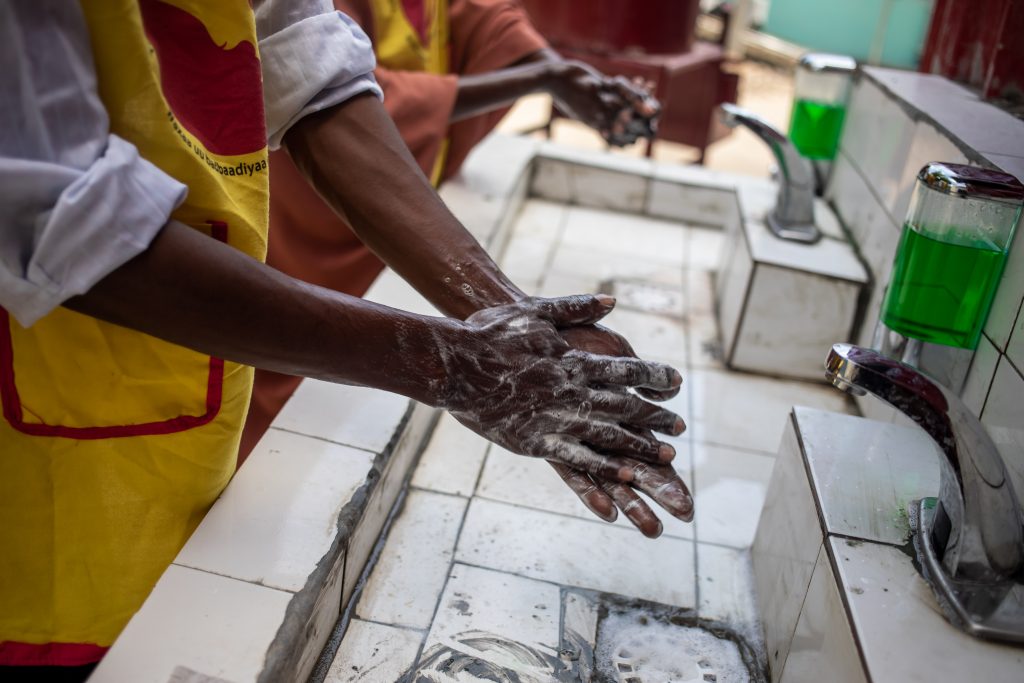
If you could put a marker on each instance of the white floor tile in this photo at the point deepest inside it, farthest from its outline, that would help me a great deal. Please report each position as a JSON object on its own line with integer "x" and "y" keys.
{"x": 525, "y": 260}
{"x": 654, "y": 337}
{"x": 705, "y": 343}
{"x": 374, "y": 652}
{"x": 558, "y": 284}
{"x": 725, "y": 580}
{"x": 532, "y": 483}
{"x": 577, "y": 553}
{"x": 747, "y": 411}
{"x": 730, "y": 490}
{"x": 211, "y": 624}
{"x": 410, "y": 573}
{"x": 541, "y": 220}
{"x": 353, "y": 416}
{"x": 491, "y": 616}
{"x": 626, "y": 235}
{"x": 600, "y": 266}
{"x": 278, "y": 516}
{"x": 452, "y": 460}
{"x": 700, "y": 292}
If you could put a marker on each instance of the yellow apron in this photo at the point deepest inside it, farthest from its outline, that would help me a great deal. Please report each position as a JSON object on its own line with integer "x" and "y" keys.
{"x": 399, "y": 47}
{"x": 114, "y": 444}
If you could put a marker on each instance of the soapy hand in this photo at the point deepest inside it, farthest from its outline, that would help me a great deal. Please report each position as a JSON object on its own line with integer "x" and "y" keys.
{"x": 513, "y": 379}
{"x": 660, "y": 482}
{"x": 621, "y": 110}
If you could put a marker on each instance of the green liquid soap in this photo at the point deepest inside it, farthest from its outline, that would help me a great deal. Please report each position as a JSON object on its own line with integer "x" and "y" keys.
{"x": 940, "y": 292}
{"x": 815, "y": 128}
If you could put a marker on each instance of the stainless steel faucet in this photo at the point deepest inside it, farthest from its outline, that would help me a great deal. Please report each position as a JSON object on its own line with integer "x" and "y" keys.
{"x": 969, "y": 541}
{"x": 793, "y": 215}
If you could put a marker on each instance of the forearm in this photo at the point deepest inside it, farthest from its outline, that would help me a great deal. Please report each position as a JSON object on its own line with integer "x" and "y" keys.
{"x": 482, "y": 93}
{"x": 359, "y": 164}
{"x": 195, "y": 291}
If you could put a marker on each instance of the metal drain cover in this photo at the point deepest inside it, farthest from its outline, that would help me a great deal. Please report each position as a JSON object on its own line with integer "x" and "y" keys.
{"x": 634, "y": 648}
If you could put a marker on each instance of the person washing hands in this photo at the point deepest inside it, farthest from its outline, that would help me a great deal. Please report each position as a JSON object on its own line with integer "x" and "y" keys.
{"x": 133, "y": 183}
{"x": 449, "y": 70}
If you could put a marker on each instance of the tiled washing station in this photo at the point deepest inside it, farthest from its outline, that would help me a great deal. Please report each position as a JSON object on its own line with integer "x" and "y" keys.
{"x": 372, "y": 539}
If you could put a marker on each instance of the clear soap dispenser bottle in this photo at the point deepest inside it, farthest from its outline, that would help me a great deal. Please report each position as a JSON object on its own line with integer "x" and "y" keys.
{"x": 952, "y": 253}
{"x": 821, "y": 91}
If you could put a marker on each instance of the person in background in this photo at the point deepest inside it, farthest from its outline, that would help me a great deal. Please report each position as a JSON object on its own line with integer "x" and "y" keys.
{"x": 449, "y": 70}
{"x": 133, "y": 186}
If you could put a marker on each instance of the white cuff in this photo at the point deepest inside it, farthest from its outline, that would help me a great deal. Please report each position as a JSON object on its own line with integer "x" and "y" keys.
{"x": 103, "y": 218}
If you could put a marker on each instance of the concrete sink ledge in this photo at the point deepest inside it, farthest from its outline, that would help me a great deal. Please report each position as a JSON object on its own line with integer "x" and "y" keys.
{"x": 258, "y": 589}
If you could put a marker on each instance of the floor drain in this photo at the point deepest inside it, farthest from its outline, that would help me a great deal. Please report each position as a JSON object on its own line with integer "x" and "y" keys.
{"x": 634, "y": 648}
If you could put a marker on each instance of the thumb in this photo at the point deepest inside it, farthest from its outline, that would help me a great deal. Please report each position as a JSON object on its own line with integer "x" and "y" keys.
{"x": 579, "y": 309}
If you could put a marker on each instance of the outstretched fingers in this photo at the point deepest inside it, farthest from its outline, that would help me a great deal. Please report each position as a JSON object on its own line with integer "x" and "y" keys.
{"x": 634, "y": 508}
{"x": 608, "y": 437}
{"x": 628, "y": 409}
{"x": 578, "y": 309}
{"x": 624, "y": 371}
{"x": 569, "y": 451}
{"x": 589, "y": 493}
{"x": 663, "y": 485}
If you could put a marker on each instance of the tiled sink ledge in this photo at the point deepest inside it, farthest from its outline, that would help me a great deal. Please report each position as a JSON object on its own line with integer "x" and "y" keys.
{"x": 836, "y": 588}
{"x": 255, "y": 593}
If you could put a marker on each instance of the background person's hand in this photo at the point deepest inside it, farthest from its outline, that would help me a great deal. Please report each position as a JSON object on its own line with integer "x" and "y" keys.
{"x": 621, "y": 110}
{"x": 611, "y": 106}
{"x": 660, "y": 482}
{"x": 512, "y": 378}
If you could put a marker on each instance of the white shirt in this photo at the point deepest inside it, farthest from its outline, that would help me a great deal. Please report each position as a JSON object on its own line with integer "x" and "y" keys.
{"x": 77, "y": 202}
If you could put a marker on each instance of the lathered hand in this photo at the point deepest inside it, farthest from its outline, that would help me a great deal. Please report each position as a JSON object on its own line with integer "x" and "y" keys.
{"x": 513, "y": 379}
{"x": 612, "y": 106}
{"x": 660, "y": 482}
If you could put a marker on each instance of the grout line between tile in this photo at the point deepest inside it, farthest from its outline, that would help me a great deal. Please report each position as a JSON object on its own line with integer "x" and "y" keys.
{"x": 326, "y": 440}
{"x": 444, "y": 586}
{"x": 384, "y": 623}
{"x": 234, "y": 578}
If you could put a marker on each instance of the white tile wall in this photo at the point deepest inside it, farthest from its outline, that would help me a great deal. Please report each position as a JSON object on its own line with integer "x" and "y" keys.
{"x": 823, "y": 640}
{"x": 877, "y": 136}
{"x": 213, "y": 625}
{"x": 929, "y": 144}
{"x": 1015, "y": 349}
{"x": 690, "y": 203}
{"x": 979, "y": 377}
{"x": 1007, "y": 304}
{"x": 606, "y": 189}
{"x": 370, "y": 415}
{"x": 900, "y": 628}
{"x": 791, "y": 320}
{"x": 785, "y": 550}
{"x": 552, "y": 180}
{"x": 279, "y": 516}
{"x": 407, "y": 580}
{"x": 1004, "y": 418}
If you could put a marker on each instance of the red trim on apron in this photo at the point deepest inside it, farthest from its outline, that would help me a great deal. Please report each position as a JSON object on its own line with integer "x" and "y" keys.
{"x": 50, "y": 654}
{"x": 12, "y": 401}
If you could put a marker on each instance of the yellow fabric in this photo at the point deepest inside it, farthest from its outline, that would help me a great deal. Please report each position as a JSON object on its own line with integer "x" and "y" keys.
{"x": 399, "y": 47}
{"x": 88, "y": 525}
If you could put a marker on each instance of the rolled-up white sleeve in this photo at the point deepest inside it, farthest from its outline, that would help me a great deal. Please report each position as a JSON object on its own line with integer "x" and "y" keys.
{"x": 313, "y": 57}
{"x": 76, "y": 202}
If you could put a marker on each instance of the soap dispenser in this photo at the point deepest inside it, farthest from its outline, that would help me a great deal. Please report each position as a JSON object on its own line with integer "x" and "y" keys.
{"x": 821, "y": 91}
{"x": 952, "y": 252}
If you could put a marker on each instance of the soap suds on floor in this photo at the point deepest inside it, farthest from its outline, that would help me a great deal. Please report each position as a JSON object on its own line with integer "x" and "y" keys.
{"x": 634, "y": 648}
